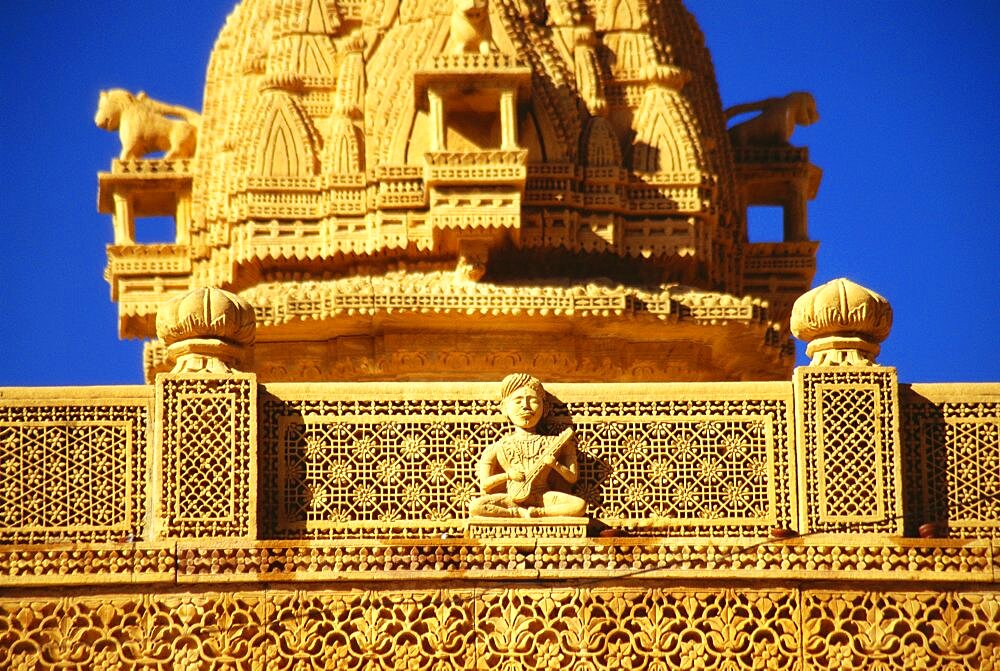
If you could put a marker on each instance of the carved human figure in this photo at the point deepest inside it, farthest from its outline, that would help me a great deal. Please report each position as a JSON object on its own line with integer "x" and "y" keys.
{"x": 519, "y": 474}
{"x": 775, "y": 123}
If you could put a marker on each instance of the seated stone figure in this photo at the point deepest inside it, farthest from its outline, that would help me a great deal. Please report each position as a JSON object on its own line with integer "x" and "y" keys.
{"x": 517, "y": 473}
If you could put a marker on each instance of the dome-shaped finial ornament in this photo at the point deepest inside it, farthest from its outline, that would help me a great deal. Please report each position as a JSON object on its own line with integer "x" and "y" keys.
{"x": 207, "y": 331}
{"x": 842, "y": 322}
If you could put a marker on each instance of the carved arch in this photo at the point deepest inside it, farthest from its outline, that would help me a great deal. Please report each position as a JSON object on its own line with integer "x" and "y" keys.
{"x": 666, "y": 139}
{"x": 342, "y": 153}
{"x": 600, "y": 146}
{"x": 392, "y": 104}
{"x": 553, "y": 145}
{"x": 315, "y": 57}
{"x": 621, "y": 15}
{"x": 529, "y": 137}
{"x": 632, "y": 53}
{"x": 418, "y": 138}
{"x": 320, "y": 17}
{"x": 285, "y": 141}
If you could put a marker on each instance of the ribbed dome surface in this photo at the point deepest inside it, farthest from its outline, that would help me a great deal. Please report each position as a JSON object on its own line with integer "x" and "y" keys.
{"x": 317, "y": 143}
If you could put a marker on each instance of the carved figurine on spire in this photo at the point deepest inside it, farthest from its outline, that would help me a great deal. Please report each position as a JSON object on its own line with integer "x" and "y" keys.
{"x": 470, "y": 28}
{"x": 518, "y": 473}
{"x": 146, "y": 125}
{"x": 774, "y": 126}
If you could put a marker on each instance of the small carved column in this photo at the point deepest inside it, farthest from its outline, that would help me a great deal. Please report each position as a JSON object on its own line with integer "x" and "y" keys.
{"x": 436, "y": 106}
{"x": 182, "y": 219}
{"x": 508, "y": 119}
{"x": 846, "y": 414}
{"x": 204, "y": 470}
{"x": 796, "y": 212}
{"x": 124, "y": 220}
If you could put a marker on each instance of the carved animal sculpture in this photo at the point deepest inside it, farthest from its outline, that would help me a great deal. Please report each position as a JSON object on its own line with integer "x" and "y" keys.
{"x": 776, "y": 122}
{"x": 145, "y": 125}
{"x": 472, "y": 260}
{"x": 470, "y": 27}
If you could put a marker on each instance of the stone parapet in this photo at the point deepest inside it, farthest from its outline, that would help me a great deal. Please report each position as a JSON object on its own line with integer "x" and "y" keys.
{"x": 74, "y": 464}
{"x": 848, "y": 447}
{"x": 730, "y": 525}
{"x": 205, "y": 473}
{"x": 842, "y": 450}
{"x": 951, "y": 453}
{"x": 398, "y": 460}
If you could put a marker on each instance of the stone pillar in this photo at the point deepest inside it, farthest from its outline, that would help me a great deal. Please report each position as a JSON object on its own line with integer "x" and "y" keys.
{"x": 508, "y": 119}
{"x": 846, "y": 414}
{"x": 123, "y": 220}
{"x": 438, "y": 133}
{"x": 204, "y": 466}
{"x": 182, "y": 219}
{"x": 796, "y": 213}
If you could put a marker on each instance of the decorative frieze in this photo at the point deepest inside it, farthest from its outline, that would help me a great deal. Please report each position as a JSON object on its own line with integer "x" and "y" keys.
{"x": 615, "y": 626}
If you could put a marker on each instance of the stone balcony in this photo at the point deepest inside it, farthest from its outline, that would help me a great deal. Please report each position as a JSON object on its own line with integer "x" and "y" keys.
{"x": 473, "y": 168}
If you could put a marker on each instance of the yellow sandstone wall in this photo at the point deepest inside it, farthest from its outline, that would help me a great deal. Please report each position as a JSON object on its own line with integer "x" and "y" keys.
{"x": 211, "y": 522}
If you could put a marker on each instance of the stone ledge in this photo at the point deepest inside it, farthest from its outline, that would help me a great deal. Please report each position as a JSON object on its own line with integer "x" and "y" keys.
{"x": 815, "y": 559}
{"x": 520, "y": 532}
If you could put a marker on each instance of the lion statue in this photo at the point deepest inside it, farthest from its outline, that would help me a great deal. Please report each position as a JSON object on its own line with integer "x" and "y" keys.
{"x": 145, "y": 125}
{"x": 774, "y": 126}
{"x": 470, "y": 27}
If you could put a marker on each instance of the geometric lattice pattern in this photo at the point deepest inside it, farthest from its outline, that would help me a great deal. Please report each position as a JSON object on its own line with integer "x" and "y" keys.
{"x": 850, "y": 477}
{"x": 207, "y": 452}
{"x": 598, "y": 628}
{"x": 850, "y": 456}
{"x": 72, "y": 472}
{"x": 358, "y": 472}
{"x": 205, "y": 470}
{"x": 952, "y": 456}
{"x": 367, "y": 466}
{"x": 681, "y": 472}
{"x": 973, "y": 474}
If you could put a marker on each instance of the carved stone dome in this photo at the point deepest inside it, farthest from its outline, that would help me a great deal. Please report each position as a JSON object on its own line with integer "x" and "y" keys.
{"x": 446, "y": 190}
{"x": 206, "y": 329}
{"x": 345, "y": 134}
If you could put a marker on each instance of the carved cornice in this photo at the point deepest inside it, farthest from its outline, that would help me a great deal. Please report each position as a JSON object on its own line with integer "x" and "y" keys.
{"x": 205, "y": 561}
{"x": 438, "y": 292}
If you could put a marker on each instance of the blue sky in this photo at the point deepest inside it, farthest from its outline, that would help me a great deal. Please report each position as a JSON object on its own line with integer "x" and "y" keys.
{"x": 908, "y": 94}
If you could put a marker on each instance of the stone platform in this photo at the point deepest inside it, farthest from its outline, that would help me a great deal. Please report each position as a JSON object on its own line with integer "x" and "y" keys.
{"x": 526, "y": 530}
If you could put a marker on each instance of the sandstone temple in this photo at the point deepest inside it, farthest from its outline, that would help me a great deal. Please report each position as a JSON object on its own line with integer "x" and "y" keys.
{"x": 461, "y": 358}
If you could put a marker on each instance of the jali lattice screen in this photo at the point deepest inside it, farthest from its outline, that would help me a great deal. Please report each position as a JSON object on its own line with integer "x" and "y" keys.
{"x": 73, "y": 466}
{"x": 354, "y": 460}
